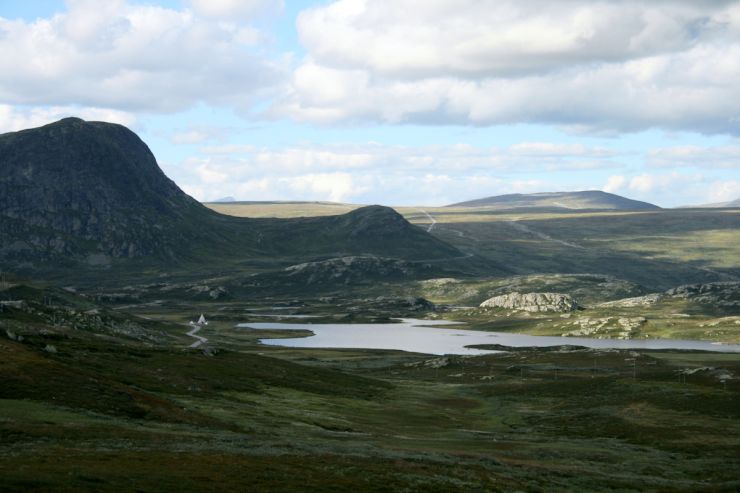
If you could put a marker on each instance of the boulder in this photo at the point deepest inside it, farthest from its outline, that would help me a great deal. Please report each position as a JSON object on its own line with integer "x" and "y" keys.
{"x": 533, "y": 302}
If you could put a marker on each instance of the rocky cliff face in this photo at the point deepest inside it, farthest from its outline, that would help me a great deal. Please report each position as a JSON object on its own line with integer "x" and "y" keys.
{"x": 533, "y": 302}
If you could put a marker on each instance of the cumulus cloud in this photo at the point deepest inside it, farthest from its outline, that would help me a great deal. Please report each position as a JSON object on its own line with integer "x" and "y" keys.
{"x": 370, "y": 172}
{"x": 674, "y": 188}
{"x": 614, "y": 184}
{"x": 14, "y": 118}
{"x": 133, "y": 57}
{"x": 230, "y": 9}
{"x": 724, "y": 191}
{"x": 199, "y": 134}
{"x": 474, "y": 39}
{"x": 617, "y": 65}
{"x": 696, "y": 156}
{"x": 523, "y": 157}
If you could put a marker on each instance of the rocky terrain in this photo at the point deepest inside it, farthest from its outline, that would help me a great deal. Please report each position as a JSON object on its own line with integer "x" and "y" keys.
{"x": 586, "y": 288}
{"x": 647, "y": 300}
{"x": 717, "y": 294}
{"x": 532, "y": 302}
{"x": 352, "y": 270}
{"x": 606, "y": 327}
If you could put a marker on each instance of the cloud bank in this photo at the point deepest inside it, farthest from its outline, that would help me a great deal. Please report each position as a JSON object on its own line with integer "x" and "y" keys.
{"x": 138, "y": 58}
{"x": 606, "y": 66}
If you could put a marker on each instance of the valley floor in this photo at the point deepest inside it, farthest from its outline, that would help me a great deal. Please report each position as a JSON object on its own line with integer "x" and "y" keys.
{"x": 82, "y": 410}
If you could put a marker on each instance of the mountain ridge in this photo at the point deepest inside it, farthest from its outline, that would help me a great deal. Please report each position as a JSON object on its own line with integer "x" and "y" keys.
{"x": 76, "y": 193}
{"x": 581, "y": 200}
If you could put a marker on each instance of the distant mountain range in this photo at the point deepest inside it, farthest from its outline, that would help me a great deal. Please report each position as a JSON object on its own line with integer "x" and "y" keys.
{"x": 718, "y": 205}
{"x": 224, "y": 200}
{"x": 90, "y": 194}
{"x": 591, "y": 199}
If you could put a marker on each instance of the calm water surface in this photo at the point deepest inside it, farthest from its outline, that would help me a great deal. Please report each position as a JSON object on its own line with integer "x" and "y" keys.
{"x": 418, "y": 336}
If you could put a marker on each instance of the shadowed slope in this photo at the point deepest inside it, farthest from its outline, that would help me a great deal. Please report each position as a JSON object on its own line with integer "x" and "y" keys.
{"x": 91, "y": 193}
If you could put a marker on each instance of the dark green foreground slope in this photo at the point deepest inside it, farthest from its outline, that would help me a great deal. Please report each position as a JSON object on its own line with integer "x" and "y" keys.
{"x": 94, "y": 399}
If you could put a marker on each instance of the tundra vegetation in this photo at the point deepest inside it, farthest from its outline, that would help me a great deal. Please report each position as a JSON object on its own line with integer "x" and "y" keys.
{"x": 100, "y": 389}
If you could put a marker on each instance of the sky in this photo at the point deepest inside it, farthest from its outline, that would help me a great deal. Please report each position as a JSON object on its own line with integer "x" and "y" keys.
{"x": 395, "y": 102}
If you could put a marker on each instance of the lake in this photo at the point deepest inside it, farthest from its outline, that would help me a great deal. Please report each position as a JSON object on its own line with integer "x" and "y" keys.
{"x": 419, "y": 336}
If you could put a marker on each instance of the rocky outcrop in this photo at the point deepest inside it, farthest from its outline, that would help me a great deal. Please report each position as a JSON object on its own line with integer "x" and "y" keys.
{"x": 718, "y": 294}
{"x": 646, "y": 300}
{"x": 533, "y": 302}
{"x": 607, "y": 327}
{"x": 352, "y": 270}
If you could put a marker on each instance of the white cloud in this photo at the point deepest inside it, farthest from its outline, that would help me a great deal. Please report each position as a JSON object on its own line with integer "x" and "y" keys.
{"x": 199, "y": 134}
{"x": 614, "y": 183}
{"x": 430, "y": 175}
{"x": 132, "y": 57}
{"x": 667, "y": 189}
{"x": 723, "y": 191}
{"x": 229, "y": 9}
{"x": 458, "y": 158}
{"x": 15, "y": 118}
{"x": 617, "y": 65}
{"x": 642, "y": 183}
{"x": 695, "y": 156}
{"x": 470, "y": 38}
{"x": 336, "y": 187}
{"x": 364, "y": 173}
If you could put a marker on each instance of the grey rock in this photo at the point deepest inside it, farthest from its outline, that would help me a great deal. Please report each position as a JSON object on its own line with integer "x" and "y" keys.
{"x": 719, "y": 294}
{"x": 533, "y": 302}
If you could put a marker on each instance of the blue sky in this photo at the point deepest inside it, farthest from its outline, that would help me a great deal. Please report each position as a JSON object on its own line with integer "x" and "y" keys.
{"x": 399, "y": 103}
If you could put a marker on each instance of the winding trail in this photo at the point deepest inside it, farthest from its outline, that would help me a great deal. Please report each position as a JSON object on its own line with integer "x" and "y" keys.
{"x": 200, "y": 339}
{"x": 429, "y": 230}
{"x": 433, "y": 221}
{"x": 525, "y": 229}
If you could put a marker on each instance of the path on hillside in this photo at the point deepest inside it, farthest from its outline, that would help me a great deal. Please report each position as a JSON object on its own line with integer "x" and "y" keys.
{"x": 200, "y": 340}
{"x": 434, "y": 221}
{"x": 429, "y": 230}
{"x": 525, "y": 229}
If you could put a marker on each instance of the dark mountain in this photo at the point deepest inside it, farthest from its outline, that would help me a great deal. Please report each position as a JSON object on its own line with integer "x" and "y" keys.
{"x": 76, "y": 189}
{"x": 591, "y": 199}
{"x": 91, "y": 193}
